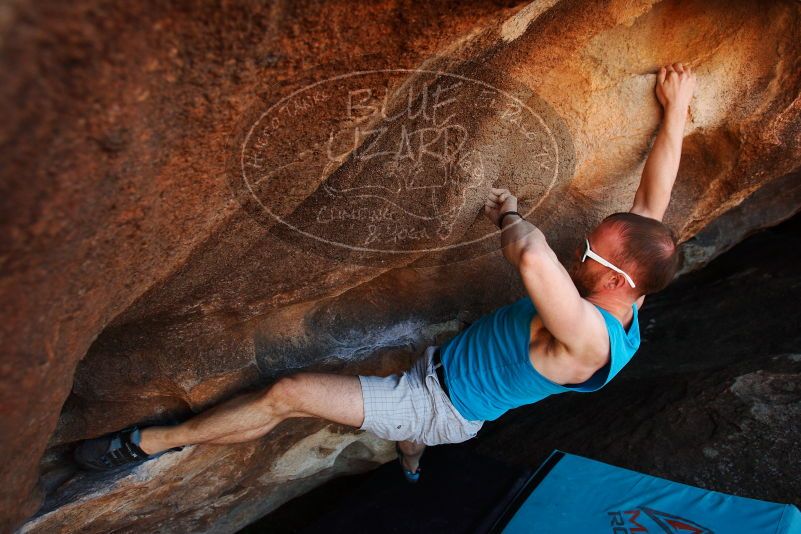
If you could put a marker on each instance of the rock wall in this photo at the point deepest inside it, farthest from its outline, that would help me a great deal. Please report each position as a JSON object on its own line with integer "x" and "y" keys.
{"x": 187, "y": 206}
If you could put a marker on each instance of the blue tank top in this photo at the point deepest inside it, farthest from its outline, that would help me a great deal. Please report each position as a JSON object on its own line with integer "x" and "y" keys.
{"x": 488, "y": 370}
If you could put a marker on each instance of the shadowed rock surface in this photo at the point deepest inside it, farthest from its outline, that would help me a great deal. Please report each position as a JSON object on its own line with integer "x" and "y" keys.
{"x": 148, "y": 265}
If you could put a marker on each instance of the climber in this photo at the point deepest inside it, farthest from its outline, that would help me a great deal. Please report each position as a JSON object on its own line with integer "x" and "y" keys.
{"x": 573, "y": 331}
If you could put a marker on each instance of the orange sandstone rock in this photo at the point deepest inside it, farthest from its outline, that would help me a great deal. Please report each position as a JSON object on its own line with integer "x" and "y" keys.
{"x": 156, "y": 259}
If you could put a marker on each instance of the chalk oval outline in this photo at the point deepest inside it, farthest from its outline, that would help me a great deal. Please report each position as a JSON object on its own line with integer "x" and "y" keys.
{"x": 396, "y": 70}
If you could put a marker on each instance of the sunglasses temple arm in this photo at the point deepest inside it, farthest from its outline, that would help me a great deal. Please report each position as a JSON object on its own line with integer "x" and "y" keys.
{"x": 604, "y": 262}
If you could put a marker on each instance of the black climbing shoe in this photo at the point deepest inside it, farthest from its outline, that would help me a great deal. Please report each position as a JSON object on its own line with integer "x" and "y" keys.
{"x": 113, "y": 450}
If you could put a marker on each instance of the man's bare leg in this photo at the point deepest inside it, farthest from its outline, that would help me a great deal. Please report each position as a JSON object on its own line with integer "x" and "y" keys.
{"x": 337, "y": 398}
{"x": 412, "y": 452}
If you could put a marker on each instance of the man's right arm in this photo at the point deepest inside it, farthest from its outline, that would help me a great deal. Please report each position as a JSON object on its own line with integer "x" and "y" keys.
{"x": 674, "y": 90}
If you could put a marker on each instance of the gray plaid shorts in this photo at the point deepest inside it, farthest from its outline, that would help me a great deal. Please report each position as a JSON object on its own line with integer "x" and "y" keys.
{"x": 413, "y": 407}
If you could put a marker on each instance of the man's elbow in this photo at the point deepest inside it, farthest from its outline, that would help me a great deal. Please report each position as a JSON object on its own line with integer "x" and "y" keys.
{"x": 534, "y": 251}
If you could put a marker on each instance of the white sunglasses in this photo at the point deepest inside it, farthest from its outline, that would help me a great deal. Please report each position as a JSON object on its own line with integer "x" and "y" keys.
{"x": 602, "y": 261}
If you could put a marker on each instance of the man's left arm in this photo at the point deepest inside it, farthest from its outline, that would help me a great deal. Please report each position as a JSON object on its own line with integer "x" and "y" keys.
{"x": 674, "y": 89}
{"x": 675, "y": 85}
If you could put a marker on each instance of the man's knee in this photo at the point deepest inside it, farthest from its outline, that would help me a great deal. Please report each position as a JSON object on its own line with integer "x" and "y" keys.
{"x": 286, "y": 394}
{"x": 411, "y": 448}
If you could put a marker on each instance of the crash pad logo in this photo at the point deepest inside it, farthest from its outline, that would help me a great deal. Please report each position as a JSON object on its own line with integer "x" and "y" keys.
{"x": 645, "y": 519}
{"x": 397, "y": 161}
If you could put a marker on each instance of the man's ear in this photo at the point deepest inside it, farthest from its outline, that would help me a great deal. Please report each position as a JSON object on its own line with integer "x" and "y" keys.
{"x": 614, "y": 280}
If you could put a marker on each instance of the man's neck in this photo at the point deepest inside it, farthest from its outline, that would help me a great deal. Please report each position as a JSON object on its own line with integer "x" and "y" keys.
{"x": 617, "y": 305}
